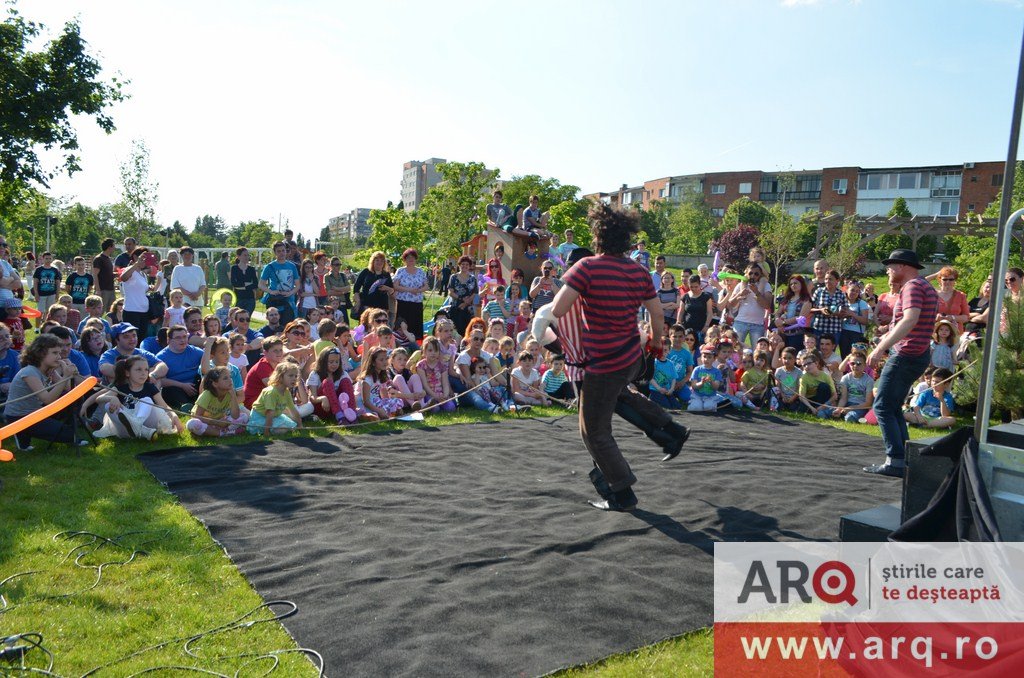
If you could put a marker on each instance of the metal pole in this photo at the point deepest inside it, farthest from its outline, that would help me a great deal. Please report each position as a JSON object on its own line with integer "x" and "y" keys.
{"x": 48, "y": 233}
{"x": 1003, "y": 237}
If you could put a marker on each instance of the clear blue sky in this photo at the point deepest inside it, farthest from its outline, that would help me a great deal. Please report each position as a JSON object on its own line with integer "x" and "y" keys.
{"x": 307, "y": 109}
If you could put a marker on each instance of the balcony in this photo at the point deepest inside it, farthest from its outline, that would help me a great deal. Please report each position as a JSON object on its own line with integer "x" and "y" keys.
{"x": 945, "y": 192}
{"x": 790, "y": 195}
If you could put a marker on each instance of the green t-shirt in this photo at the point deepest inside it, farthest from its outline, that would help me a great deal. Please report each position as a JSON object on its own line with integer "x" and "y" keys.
{"x": 320, "y": 345}
{"x": 271, "y": 399}
{"x": 809, "y": 383}
{"x": 754, "y": 380}
{"x": 215, "y": 408}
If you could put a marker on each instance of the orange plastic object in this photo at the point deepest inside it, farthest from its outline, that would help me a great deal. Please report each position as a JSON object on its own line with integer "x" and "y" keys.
{"x": 48, "y": 411}
{"x": 29, "y": 312}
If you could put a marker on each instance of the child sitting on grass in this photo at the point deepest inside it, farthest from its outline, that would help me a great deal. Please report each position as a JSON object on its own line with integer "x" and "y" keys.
{"x": 933, "y": 407}
{"x": 326, "y": 329}
{"x": 493, "y": 398}
{"x": 135, "y": 409}
{"x": 555, "y": 381}
{"x": 216, "y": 353}
{"x": 755, "y": 379}
{"x": 331, "y": 390}
{"x": 664, "y": 383}
{"x": 788, "y": 379}
{"x": 705, "y": 381}
{"x": 274, "y": 410}
{"x": 94, "y": 309}
{"x": 217, "y": 412}
{"x": 855, "y": 390}
{"x": 526, "y": 383}
{"x": 375, "y": 387}
{"x": 432, "y": 370}
{"x": 407, "y": 384}
{"x": 817, "y": 390}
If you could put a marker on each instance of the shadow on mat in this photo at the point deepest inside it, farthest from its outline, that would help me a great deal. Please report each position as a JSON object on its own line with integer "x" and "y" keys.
{"x": 672, "y": 529}
{"x": 746, "y": 525}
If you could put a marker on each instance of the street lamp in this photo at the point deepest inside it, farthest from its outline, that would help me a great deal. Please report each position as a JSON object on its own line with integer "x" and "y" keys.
{"x": 50, "y": 220}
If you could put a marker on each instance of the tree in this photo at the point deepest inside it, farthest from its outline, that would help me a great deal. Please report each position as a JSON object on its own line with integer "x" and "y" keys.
{"x": 691, "y": 228}
{"x": 325, "y": 234}
{"x": 880, "y": 247}
{"x": 745, "y": 211}
{"x": 1008, "y": 389}
{"x": 654, "y": 222}
{"x": 213, "y": 227}
{"x": 550, "y": 192}
{"x": 41, "y": 91}
{"x": 259, "y": 233}
{"x": 450, "y": 208}
{"x": 564, "y": 216}
{"x": 394, "y": 230}
{"x": 138, "y": 191}
{"x": 734, "y": 245}
{"x": 780, "y": 240}
{"x": 844, "y": 255}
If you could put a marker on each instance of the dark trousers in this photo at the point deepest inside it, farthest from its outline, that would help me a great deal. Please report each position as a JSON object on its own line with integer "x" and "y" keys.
{"x": 176, "y": 397}
{"x": 286, "y": 310}
{"x": 847, "y": 338}
{"x": 138, "y": 320}
{"x": 412, "y": 313}
{"x": 247, "y": 305}
{"x": 601, "y": 395}
{"x": 58, "y": 429}
{"x": 894, "y": 383}
{"x": 563, "y": 392}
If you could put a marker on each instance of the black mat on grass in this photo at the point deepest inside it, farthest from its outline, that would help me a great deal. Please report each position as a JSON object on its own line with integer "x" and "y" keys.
{"x": 470, "y": 550}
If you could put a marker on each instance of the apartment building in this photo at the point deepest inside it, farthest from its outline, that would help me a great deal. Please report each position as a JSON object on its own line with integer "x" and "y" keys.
{"x": 351, "y": 224}
{"x": 935, "y": 190}
{"x": 417, "y": 178}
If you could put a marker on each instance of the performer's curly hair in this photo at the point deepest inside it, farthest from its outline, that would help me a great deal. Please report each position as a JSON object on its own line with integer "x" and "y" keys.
{"x": 613, "y": 229}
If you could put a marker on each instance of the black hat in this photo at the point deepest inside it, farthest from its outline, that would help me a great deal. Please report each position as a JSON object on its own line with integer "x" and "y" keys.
{"x": 908, "y": 257}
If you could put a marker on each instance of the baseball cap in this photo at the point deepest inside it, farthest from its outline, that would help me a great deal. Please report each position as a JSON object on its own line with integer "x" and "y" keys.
{"x": 120, "y": 328}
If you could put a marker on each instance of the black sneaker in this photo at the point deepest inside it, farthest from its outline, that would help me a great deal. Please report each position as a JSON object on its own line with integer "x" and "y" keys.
{"x": 623, "y": 500}
{"x": 680, "y": 434}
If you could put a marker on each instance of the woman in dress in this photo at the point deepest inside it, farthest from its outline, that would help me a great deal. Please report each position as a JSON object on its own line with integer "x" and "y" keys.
{"x": 462, "y": 288}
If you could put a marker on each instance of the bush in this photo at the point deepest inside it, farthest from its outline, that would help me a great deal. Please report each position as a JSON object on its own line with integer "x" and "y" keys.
{"x": 734, "y": 245}
{"x": 1008, "y": 390}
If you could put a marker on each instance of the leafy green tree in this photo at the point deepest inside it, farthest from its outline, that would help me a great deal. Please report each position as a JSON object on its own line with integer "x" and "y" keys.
{"x": 691, "y": 228}
{"x": 880, "y": 247}
{"x": 654, "y": 222}
{"x": 450, "y": 209}
{"x": 138, "y": 191}
{"x": 549, "y": 192}
{"x": 259, "y": 233}
{"x": 1008, "y": 389}
{"x": 565, "y": 216}
{"x": 780, "y": 241}
{"x": 211, "y": 226}
{"x": 745, "y": 211}
{"x": 41, "y": 91}
{"x": 844, "y": 255}
{"x": 394, "y": 230}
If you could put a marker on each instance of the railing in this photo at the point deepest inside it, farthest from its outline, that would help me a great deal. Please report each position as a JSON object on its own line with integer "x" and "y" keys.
{"x": 790, "y": 195}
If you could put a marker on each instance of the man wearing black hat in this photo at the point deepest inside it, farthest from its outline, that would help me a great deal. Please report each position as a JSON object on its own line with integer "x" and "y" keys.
{"x": 910, "y": 341}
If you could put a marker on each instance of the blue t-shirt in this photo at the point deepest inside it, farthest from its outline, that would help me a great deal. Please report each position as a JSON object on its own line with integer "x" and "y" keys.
{"x": 47, "y": 278}
{"x": 106, "y": 327}
{"x": 236, "y": 375}
{"x": 77, "y": 359}
{"x": 683, "y": 360}
{"x": 699, "y": 373}
{"x": 665, "y": 374}
{"x": 182, "y": 366}
{"x": 151, "y": 344}
{"x": 281, "y": 277}
{"x": 930, "y": 405}
{"x": 110, "y": 357}
{"x": 9, "y": 366}
{"x": 94, "y": 365}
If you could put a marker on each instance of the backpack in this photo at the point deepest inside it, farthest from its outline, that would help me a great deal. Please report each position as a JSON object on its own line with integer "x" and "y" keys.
{"x": 156, "y": 305}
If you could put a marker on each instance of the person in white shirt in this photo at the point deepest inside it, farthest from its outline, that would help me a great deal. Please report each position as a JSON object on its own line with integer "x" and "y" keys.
{"x": 190, "y": 279}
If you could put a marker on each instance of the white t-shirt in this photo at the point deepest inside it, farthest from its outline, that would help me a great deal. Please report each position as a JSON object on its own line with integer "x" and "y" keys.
{"x": 134, "y": 290}
{"x": 239, "y": 362}
{"x": 464, "y": 358}
{"x": 532, "y": 380}
{"x": 191, "y": 277}
{"x": 6, "y": 271}
{"x": 749, "y": 310}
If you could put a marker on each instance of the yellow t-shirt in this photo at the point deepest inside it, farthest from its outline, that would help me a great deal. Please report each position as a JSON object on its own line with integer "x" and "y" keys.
{"x": 321, "y": 345}
{"x": 275, "y": 401}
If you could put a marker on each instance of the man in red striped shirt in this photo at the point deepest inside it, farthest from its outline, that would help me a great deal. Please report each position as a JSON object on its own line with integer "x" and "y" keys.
{"x": 913, "y": 322}
{"x": 610, "y": 288}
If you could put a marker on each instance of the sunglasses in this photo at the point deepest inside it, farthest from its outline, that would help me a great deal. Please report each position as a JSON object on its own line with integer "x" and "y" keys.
{"x": 381, "y": 319}
{"x": 1010, "y": 280}
{"x": 476, "y": 339}
{"x": 241, "y": 320}
{"x": 948, "y": 279}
